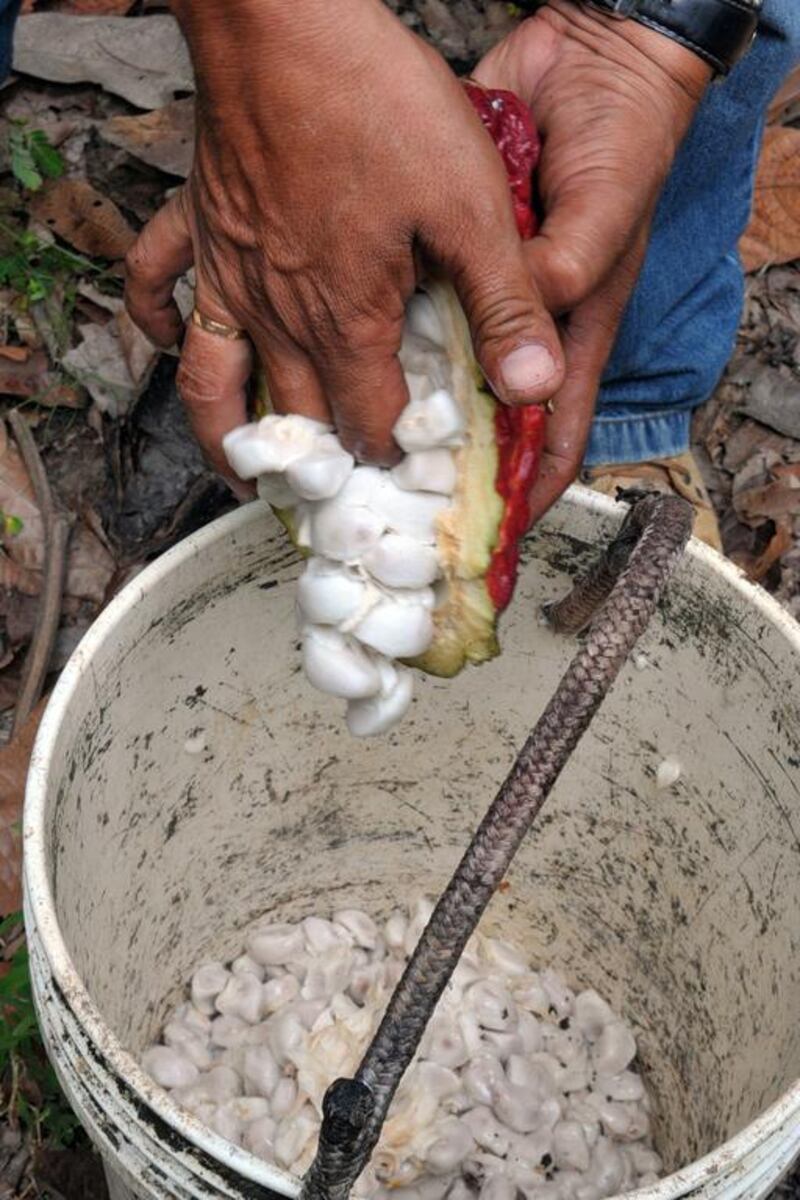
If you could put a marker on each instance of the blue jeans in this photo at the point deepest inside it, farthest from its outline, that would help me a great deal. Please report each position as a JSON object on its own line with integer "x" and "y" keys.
{"x": 8, "y": 15}
{"x": 679, "y": 327}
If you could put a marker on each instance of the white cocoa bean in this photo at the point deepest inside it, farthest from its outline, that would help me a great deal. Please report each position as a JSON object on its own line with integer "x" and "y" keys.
{"x": 258, "y": 1137}
{"x": 427, "y": 471}
{"x": 453, "y": 1142}
{"x": 260, "y": 1070}
{"x": 169, "y": 1067}
{"x": 275, "y": 945}
{"x": 336, "y": 664}
{"x": 614, "y": 1050}
{"x": 570, "y": 1148}
{"x": 241, "y": 997}
{"x": 245, "y": 965}
{"x": 275, "y": 993}
{"x": 592, "y": 1014}
{"x": 207, "y": 983}
{"x": 359, "y": 925}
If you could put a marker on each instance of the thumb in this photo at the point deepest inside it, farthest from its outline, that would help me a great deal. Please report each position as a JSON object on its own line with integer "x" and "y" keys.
{"x": 590, "y": 332}
{"x": 586, "y": 233}
{"x": 515, "y": 339}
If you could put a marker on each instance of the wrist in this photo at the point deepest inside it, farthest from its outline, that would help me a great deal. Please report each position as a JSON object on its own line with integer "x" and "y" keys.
{"x": 718, "y": 32}
{"x": 250, "y": 46}
{"x": 241, "y": 19}
{"x": 638, "y": 47}
{"x": 268, "y": 42}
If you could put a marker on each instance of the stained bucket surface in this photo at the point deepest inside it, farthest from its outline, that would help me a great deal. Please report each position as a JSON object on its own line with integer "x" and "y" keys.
{"x": 680, "y": 906}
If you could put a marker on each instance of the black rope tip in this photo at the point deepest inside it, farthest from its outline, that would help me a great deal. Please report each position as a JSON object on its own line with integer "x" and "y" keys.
{"x": 346, "y": 1108}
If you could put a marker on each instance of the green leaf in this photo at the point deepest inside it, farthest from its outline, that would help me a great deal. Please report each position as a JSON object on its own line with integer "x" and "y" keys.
{"x": 32, "y": 157}
{"x": 24, "y": 1026}
{"x": 38, "y": 288}
{"x": 33, "y": 269}
{"x": 24, "y": 169}
{"x": 45, "y": 157}
{"x": 11, "y": 527}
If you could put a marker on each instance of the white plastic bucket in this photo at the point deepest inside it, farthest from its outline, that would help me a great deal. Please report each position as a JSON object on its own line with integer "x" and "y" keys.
{"x": 681, "y": 906}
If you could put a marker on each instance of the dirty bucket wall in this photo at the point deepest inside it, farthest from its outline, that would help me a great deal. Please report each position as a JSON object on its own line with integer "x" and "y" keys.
{"x": 187, "y": 779}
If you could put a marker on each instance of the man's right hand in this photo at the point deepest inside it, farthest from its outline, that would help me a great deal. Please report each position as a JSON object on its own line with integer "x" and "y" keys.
{"x": 612, "y": 99}
{"x": 336, "y": 158}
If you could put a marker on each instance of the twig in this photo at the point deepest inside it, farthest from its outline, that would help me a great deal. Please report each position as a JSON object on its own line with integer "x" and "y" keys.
{"x": 57, "y": 526}
{"x": 12, "y": 943}
{"x": 11, "y": 1107}
{"x": 16, "y": 1169}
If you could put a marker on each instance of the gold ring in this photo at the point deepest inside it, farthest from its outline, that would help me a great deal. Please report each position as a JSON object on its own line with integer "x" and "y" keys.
{"x": 218, "y": 328}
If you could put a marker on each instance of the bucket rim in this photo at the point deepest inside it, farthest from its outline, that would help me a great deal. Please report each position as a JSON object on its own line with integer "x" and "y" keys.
{"x": 40, "y": 902}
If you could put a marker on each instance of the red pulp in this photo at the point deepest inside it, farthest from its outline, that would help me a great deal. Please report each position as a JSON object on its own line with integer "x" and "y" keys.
{"x": 520, "y": 431}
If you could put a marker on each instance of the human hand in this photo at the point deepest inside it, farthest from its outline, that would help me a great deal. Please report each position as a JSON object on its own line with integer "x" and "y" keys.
{"x": 336, "y": 158}
{"x": 612, "y": 101}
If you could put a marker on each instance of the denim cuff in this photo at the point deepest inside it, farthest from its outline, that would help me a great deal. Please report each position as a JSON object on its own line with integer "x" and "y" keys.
{"x": 635, "y": 438}
{"x": 9, "y": 10}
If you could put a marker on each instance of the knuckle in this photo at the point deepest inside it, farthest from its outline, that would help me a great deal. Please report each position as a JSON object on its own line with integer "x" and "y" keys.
{"x": 139, "y": 267}
{"x": 197, "y": 382}
{"x": 498, "y": 313}
{"x": 349, "y": 306}
{"x": 572, "y": 274}
{"x": 369, "y": 448}
{"x": 354, "y": 330}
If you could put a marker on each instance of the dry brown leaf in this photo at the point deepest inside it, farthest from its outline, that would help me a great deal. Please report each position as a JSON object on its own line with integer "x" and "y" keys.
{"x": 14, "y": 759}
{"x": 20, "y": 377}
{"x": 775, "y": 501}
{"x": 26, "y": 548}
{"x": 113, "y": 362}
{"x": 89, "y": 564}
{"x": 18, "y": 354}
{"x": 9, "y": 685}
{"x": 84, "y": 217}
{"x": 771, "y": 397}
{"x": 20, "y": 579}
{"x": 746, "y": 440}
{"x": 138, "y": 351}
{"x": 6, "y": 654}
{"x": 110, "y": 304}
{"x": 89, "y": 313}
{"x": 779, "y": 544}
{"x": 33, "y": 378}
{"x": 145, "y": 60}
{"x": 788, "y": 470}
{"x": 773, "y": 235}
{"x": 18, "y": 611}
{"x": 162, "y": 139}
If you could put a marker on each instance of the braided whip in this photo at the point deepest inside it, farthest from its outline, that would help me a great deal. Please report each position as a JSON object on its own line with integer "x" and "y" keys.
{"x": 626, "y": 582}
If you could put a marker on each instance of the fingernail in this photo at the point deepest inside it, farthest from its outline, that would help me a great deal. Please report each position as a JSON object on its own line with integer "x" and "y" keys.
{"x": 527, "y": 368}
